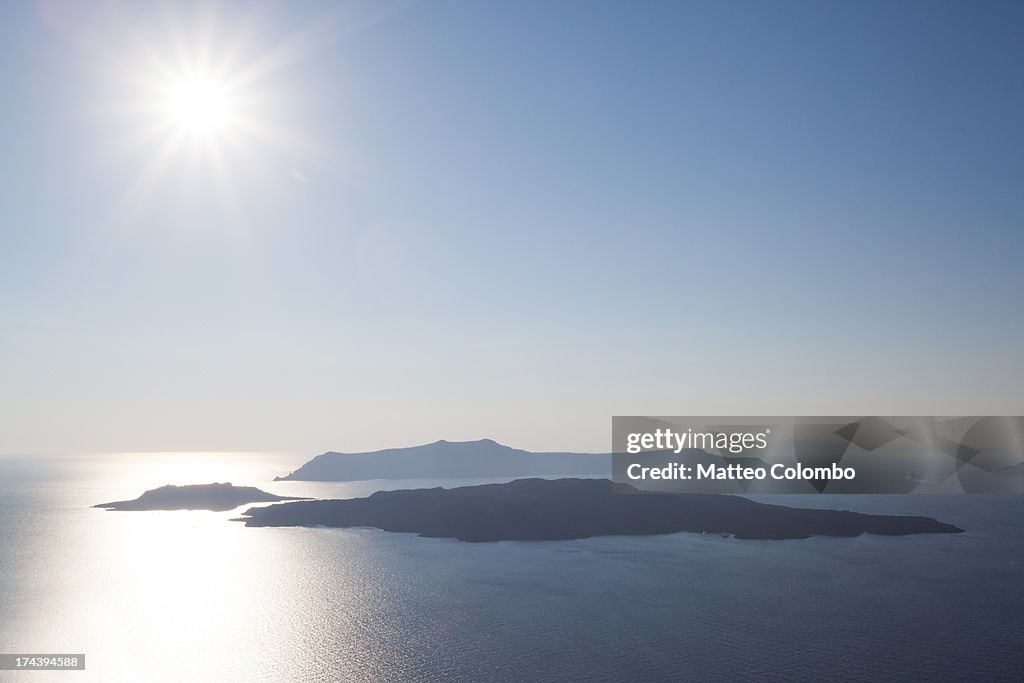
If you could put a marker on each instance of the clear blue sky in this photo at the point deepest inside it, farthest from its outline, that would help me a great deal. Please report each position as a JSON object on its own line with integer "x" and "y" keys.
{"x": 508, "y": 220}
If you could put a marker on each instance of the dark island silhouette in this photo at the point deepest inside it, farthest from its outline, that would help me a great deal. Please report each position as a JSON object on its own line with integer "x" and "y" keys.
{"x": 561, "y": 509}
{"x": 449, "y": 460}
{"x": 214, "y": 497}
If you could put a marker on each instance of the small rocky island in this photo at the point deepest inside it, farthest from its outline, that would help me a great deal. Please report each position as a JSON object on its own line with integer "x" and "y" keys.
{"x": 561, "y": 509}
{"x": 214, "y": 497}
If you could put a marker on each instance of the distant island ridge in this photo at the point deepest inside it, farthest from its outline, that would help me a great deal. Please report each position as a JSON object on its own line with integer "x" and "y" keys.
{"x": 442, "y": 459}
{"x": 217, "y": 497}
{"x": 490, "y": 460}
{"x": 563, "y": 509}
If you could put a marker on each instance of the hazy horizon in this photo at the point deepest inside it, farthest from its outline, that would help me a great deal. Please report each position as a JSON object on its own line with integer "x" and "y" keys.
{"x": 310, "y": 227}
{"x": 297, "y": 454}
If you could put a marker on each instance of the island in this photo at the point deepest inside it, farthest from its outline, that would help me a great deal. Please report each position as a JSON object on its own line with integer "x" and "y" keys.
{"x": 484, "y": 458}
{"x": 215, "y": 497}
{"x": 562, "y": 509}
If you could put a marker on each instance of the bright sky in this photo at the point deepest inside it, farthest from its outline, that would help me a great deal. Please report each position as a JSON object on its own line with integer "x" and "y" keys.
{"x": 302, "y": 226}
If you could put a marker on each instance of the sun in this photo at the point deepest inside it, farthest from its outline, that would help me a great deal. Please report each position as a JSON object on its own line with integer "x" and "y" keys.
{"x": 197, "y": 105}
{"x": 205, "y": 108}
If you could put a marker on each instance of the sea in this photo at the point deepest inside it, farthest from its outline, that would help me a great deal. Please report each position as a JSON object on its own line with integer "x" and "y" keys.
{"x": 194, "y": 596}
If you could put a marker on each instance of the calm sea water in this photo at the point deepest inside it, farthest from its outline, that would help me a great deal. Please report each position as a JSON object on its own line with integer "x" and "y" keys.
{"x": 190, "y": 596}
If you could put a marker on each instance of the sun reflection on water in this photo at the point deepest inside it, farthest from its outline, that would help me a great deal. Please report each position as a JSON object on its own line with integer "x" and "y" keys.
{"x": 183, "y": 595}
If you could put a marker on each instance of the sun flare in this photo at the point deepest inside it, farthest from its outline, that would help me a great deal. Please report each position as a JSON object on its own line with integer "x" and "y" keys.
{"x": 197, "y": 105}
{"x": 204, "y": 108}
